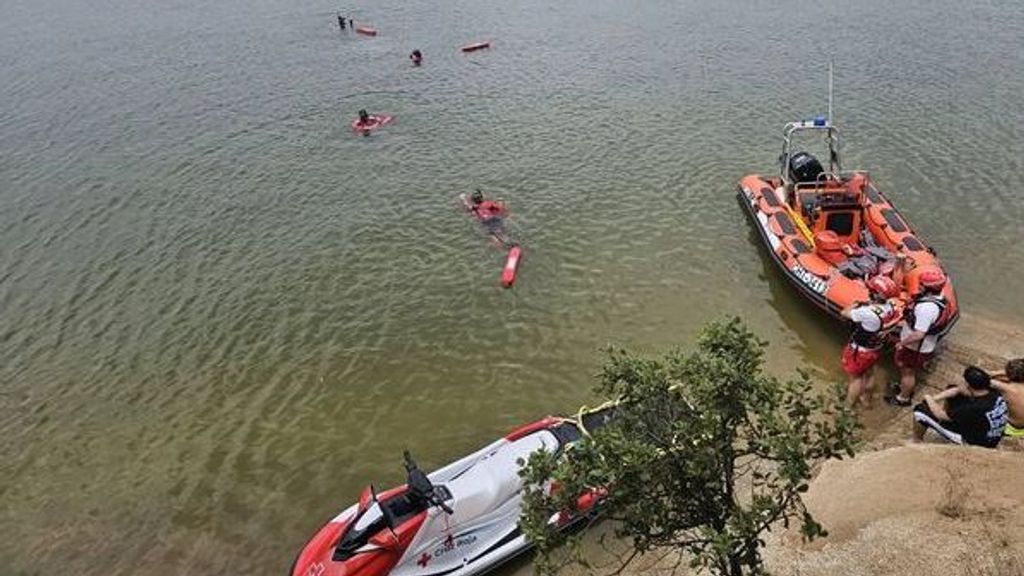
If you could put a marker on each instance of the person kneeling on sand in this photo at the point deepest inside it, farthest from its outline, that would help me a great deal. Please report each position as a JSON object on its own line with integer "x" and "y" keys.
{"x": 1010, "y": 383}
{"x": 964, "y": 414}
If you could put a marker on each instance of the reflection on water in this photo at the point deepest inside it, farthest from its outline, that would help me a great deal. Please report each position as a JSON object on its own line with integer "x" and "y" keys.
{"x": 222, "y": 313}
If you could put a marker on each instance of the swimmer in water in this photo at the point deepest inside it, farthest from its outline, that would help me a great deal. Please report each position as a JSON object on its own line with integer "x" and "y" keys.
{"x": 490, "y": 213}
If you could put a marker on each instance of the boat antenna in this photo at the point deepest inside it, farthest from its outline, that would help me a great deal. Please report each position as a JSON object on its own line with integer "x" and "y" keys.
{"x": 833, "y": 154}
{"x": 830, "y": 65}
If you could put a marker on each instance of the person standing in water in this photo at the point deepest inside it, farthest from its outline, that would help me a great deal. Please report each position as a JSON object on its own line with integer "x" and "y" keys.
{"x": 865, "y": 346}
{"x": 341, "y": 22}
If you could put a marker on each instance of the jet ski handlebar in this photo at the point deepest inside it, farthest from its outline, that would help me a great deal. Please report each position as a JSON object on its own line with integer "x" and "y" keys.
{"x": 440, "y": 504}
{"x": 420, "y": 486}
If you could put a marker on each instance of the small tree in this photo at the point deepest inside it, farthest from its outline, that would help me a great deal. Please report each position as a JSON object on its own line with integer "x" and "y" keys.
{"x": 705, "y": 454}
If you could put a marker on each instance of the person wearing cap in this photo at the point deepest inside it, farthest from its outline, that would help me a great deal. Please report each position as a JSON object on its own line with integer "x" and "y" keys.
{"x": 491, "y": 214}
{"x": 485, "y": 210}
{"x": 1010, "y": 383}
{"x": 970, "y": 413}
{"x": 864, "y": 349}
{"x": 923, "y": 322}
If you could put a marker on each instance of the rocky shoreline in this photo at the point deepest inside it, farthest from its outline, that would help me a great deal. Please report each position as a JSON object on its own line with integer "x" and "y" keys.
{"x": 899, "y": 508}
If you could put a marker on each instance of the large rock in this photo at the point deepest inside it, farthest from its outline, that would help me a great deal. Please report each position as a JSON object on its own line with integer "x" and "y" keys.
{"x": 918, "y": 509}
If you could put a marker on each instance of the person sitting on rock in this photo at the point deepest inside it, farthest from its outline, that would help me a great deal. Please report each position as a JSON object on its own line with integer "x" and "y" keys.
{"x": 1010, "y": 383}
{"x": 964, "y": 414}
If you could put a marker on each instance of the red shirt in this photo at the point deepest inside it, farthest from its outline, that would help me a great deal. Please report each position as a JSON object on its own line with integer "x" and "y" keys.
{"x": 488, "y": 210}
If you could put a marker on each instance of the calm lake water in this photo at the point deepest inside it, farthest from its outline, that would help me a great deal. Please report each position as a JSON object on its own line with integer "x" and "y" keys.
{"x": 222, "y": 313}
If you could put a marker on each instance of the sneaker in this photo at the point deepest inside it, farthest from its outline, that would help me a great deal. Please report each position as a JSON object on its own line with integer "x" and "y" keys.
{"x": 895, "y": 400}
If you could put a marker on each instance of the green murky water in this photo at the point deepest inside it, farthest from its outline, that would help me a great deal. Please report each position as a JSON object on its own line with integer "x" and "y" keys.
{"x": 222, "y": 313}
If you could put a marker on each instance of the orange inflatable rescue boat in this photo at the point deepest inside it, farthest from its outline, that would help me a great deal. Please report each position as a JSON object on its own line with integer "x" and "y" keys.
{"x": 830, "y": 231}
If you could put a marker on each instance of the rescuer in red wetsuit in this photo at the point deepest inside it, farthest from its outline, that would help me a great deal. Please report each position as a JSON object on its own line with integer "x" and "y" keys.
{"x": 491, "y": 214}
{"x": 485, "y": 210}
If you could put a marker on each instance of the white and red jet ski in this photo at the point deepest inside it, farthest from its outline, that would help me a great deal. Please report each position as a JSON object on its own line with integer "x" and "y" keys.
{"x": 460, "y": 520}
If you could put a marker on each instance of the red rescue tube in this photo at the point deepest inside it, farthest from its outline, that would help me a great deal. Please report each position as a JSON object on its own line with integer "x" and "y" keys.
{"x": 374, "y": 123}
{"x": 366, "y": 31}
{"x": 508, "y": 275}
{"x": 476, "y": 46}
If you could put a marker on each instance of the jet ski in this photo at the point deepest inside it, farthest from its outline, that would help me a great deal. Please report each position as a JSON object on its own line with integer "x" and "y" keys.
{"x": 460, "y": 520}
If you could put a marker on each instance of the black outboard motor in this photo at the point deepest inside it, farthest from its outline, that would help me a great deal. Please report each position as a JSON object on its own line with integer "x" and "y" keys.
{"x": 804, "y": 168}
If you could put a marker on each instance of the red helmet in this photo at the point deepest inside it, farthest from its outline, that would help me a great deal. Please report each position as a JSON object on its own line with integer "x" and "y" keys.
{"x": 933, "y": 278}
{"x": 883, "y": 286}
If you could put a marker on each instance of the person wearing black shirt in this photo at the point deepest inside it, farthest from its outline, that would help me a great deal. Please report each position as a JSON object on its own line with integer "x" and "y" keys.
{"x": 965, "y": 414}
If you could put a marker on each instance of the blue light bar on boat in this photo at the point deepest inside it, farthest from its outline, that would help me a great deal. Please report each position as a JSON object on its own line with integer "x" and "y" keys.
{"x": 820, "y": 120}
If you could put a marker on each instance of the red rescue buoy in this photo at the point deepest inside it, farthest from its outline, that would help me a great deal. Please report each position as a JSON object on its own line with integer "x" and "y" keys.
{"x": 366, "y": 31}
{"x": 476, "y": 46}
{"x": 508, "y": 275}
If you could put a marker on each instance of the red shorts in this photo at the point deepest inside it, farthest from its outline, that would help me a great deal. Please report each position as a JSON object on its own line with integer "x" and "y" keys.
{"x": 907, "y": 358}
{"x": 857, "y": 361}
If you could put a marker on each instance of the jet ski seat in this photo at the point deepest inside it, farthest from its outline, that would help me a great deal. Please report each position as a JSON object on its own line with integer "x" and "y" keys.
{"x": 402, "y": 507}
{"x": 495, "y": 479}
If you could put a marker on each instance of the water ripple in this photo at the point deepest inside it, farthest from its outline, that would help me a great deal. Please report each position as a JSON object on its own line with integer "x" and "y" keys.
{"x": 223, "y": 312}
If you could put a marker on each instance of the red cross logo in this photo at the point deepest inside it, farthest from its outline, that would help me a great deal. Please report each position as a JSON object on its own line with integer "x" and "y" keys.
{"x": 424, "y": 560}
